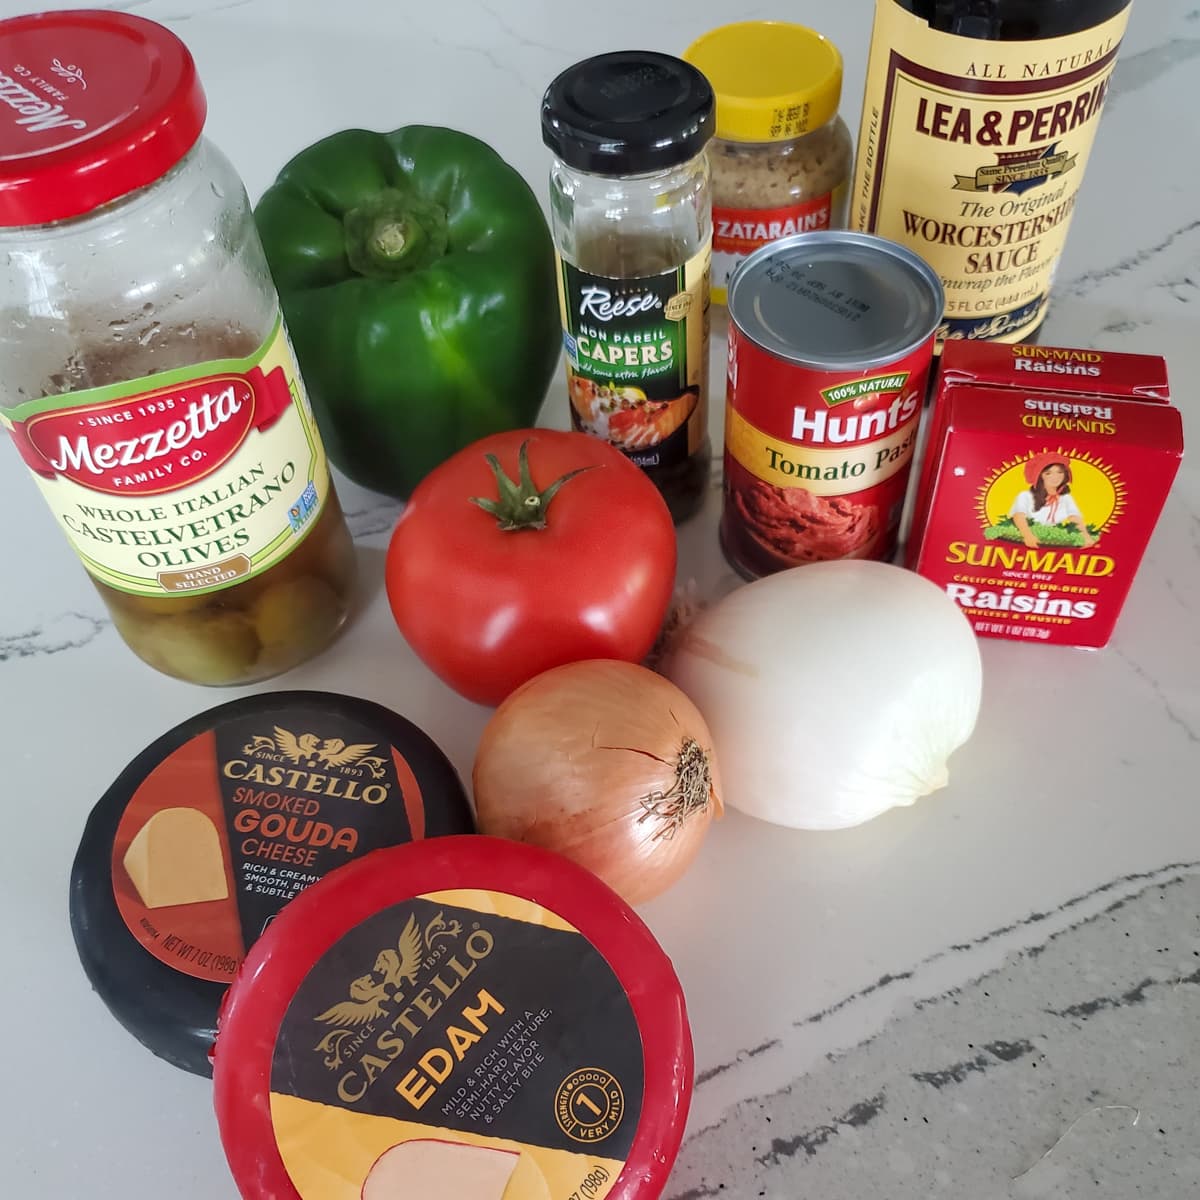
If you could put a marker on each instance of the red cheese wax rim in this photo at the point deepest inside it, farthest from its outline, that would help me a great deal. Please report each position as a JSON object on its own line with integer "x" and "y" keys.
{"x": 310, "y": 925}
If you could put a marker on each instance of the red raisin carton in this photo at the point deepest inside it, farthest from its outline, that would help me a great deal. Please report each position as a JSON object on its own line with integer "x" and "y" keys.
{"x": 1045, "y": 474}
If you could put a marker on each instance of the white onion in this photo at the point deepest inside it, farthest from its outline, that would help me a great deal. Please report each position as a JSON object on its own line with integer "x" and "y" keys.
{"x": 833, "y": 691}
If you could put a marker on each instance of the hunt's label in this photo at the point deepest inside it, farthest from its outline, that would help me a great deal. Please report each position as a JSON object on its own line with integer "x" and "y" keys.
{"x": 188, "y": 481}
{"x": 972, "y": 152}
{"x": 1046, "y": 472}
{"x": 637, "y": 358}
{"x": 816, "y": 462}
{"x": 463, "y": 1043}
{"x": 242, "y": 818}
{"x": 738, "y": 232}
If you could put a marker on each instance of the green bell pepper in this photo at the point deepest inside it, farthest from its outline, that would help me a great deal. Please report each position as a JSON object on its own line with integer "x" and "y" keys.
{"x": 416, "y": 274}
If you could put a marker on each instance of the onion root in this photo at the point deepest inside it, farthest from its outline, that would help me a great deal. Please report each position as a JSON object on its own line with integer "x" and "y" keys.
{"x": 688, "y": 794}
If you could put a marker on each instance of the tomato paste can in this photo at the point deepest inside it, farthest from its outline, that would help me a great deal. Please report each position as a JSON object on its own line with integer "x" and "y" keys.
{"x": 831, "y": 339}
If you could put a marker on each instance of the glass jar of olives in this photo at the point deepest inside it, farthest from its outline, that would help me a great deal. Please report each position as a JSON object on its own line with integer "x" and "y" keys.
{"x": 145, "y": 373}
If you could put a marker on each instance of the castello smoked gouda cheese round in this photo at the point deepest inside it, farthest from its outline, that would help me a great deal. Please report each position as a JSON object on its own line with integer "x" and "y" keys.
{"x": 205, "y": 837}
{"x": 466, "y": 1018}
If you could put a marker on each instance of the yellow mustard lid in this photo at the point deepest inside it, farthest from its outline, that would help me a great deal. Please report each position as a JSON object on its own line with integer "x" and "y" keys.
{"x": 773, "y": 80}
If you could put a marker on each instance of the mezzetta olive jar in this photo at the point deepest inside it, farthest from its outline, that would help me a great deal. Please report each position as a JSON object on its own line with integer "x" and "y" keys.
{"x": 145, "y": 373}
{"x": 781, "y": 156}
{"x": 632, "y": 219}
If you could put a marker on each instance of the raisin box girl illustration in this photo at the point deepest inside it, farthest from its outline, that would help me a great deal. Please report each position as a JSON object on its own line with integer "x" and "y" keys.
{"x": 1048, "y": 499}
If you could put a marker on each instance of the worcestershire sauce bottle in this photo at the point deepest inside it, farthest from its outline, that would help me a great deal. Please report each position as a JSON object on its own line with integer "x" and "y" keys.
{"x": 977, "y": 122}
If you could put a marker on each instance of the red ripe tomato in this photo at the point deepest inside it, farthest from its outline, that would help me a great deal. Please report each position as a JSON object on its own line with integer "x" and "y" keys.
{"x": 589, "y": 574}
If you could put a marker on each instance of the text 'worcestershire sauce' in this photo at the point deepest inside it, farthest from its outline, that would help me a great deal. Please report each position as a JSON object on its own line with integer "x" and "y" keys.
{"x": 978, "y": 119}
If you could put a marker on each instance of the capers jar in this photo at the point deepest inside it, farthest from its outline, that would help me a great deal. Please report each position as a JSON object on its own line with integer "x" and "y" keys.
{"x": 782, "y": 157}
{"x": 145, "y": 373}
{"x": 631, "y": 215}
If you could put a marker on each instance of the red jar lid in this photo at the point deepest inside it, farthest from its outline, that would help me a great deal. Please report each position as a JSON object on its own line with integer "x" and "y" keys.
{"x": 462, "y": 1017}
{"x": 93, "y": 105}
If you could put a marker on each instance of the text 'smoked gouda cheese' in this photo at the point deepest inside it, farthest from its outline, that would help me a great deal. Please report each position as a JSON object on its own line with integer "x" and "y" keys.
{"x": 220, "y": 823}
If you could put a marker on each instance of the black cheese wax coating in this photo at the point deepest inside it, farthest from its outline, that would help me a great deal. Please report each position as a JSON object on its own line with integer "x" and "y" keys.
{"x": 210, "y": 831}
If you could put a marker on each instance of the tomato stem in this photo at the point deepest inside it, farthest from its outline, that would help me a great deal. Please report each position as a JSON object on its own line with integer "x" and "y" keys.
{"x": 520, "y": 505}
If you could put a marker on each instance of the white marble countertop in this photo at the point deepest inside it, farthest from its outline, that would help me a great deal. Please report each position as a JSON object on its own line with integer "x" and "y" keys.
{"x": 995, "y": 993}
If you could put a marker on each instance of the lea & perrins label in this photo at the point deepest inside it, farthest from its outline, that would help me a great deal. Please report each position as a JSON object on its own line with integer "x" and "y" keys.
{"x": 467, "y": 1017}
{"x": 971, "y": 152}
{"x": 830, "y": 344}
{"x": 1046, "y": 472}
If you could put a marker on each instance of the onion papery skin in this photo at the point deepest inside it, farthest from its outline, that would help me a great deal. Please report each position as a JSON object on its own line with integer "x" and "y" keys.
{"x": 572, "y": 760}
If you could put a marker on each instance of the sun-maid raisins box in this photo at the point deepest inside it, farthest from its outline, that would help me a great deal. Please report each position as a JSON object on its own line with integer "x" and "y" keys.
{"x": 1045, "y": 474}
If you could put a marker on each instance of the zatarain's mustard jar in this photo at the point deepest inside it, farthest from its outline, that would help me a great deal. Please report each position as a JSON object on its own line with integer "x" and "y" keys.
{"x": 782, "y": 156}
{"x": 146, "y": 377}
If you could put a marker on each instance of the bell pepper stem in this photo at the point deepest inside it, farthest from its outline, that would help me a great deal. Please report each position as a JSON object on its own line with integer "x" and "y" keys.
{"x": 394, "y": 233}
{"x": 390, "y": 239}
{"x": 519, "y": 504}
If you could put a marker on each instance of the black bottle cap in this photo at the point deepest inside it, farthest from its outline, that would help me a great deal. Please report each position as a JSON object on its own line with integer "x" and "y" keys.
{"x": 628, "y": 113}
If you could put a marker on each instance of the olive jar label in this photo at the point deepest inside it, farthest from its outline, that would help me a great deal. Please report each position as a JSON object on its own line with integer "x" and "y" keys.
{"x": 186, "y": 481}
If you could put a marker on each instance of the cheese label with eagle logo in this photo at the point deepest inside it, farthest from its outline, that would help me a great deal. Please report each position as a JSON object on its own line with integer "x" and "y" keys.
{"x": 472, "y": 1027}
{"x": 242, "y": 817}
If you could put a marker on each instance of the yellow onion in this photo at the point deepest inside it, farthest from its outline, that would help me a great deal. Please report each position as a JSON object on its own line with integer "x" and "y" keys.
{"x": 607, "y": 763}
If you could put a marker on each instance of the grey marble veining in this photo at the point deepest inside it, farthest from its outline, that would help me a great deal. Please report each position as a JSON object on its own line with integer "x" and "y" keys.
{"x": 371, "y": 517}
{"x": 66, "y": 631}
{"x": 1068, "y": 1072}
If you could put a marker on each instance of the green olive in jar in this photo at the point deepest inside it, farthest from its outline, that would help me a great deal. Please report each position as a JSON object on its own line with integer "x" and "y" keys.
{"x": 172, "y": 605}
{"x": 295, "y": 613}
{"x": 251, "y": 630}
{"x": 207, "y": 646}
{"x": 330, "y": 558}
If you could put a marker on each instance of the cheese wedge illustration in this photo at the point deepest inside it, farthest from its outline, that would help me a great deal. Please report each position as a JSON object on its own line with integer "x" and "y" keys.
{"x": 425, "y": 1167}
{"x": 175, "y": 858}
